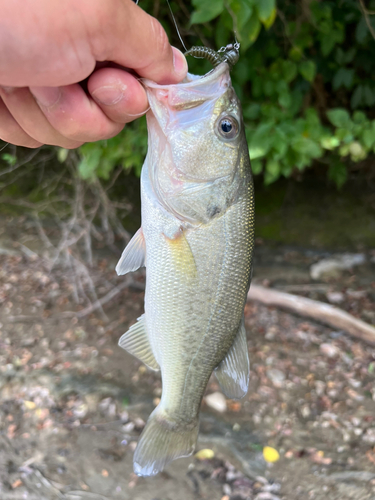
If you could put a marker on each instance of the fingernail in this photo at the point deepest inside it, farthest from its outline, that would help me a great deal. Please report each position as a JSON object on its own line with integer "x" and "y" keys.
{"x": 108, "y": 95}
{"x": 46, "y": 96}
{"x": 179, "y": 63}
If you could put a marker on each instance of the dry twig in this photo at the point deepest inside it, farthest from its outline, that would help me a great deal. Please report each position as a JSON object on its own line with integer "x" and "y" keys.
{"x": 324, "y": 313}
{"x": 367, "y": 14}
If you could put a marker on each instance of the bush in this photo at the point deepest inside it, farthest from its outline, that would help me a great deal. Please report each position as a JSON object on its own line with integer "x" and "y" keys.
{"x": 306, "y": 80}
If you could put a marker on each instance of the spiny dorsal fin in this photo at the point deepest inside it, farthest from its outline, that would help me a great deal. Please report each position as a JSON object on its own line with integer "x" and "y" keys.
{"x": 136, "y": 342}
{"x": 134, "y": 255}
{"x": 233, "y": 372}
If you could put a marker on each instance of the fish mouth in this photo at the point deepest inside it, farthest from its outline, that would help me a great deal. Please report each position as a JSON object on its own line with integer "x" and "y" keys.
{"x": 192, "y": 81}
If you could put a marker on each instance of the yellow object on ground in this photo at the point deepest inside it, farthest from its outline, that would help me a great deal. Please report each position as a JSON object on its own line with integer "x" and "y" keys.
{"x": 270, "y": 454}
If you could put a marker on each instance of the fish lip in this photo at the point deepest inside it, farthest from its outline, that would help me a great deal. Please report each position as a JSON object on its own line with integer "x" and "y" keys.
{"x": 195, "y": 80}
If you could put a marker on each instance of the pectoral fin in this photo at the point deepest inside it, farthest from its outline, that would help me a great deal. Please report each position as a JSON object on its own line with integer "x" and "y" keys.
{"x": 181, "y": 253}
{"x": 134, "y": 255}
{"x": 233, "y": 372}
{"x": 136, "y": 342}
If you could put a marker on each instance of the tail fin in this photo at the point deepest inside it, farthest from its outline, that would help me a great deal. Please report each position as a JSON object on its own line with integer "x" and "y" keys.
{"x": 162, "y": 441}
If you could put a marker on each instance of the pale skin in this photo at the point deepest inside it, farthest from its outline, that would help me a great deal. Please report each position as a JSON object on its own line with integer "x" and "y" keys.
{"x": 48, "y": 46}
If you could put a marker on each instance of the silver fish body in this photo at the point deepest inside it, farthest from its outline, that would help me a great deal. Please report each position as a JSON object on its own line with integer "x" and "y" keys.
{"x": 196, "y": 241}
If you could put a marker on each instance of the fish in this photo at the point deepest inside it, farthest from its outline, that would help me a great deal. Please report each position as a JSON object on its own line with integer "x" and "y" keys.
{"x": 196, "y": 241}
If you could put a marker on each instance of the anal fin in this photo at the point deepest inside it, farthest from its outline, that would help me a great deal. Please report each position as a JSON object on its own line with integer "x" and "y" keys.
{"x": 136, "y": 342}
{"x": 233, "y": 372}
{"x": 134, "y": 255}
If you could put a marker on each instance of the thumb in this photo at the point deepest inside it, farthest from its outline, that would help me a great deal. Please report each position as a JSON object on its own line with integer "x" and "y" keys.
{"x": 136, "y": 40}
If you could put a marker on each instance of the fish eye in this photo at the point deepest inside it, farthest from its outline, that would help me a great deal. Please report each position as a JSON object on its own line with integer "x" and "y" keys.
{"x": 228, "y": 127}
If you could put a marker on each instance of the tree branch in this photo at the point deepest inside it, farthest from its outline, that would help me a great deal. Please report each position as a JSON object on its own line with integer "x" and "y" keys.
{"x": 319, "y": 311}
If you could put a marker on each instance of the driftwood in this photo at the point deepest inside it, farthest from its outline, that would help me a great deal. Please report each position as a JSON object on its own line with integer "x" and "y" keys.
{"x": 324, "y": 313}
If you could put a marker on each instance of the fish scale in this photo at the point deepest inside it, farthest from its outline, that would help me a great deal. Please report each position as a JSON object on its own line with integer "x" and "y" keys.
{"x": 197, "y": 239}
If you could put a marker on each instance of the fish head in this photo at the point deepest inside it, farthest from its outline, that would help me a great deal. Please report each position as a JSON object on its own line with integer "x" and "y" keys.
{"x": 198, "y": 156}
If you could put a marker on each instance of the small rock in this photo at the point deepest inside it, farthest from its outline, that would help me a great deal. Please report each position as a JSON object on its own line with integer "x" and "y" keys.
{"x": 227, "y": 490}
{"x": 329, "y": 350}
{"x": 356, "y": 294}
{"x": 265, "y": 495}
{"x": 124, "y": 416}
{"x": 129, "y": 427}
{"x": 369, "y": 436}
{"x": 271, "y": 333}
{"x": 335, "y": 297}
{"x": 277, "y": 377}
{"x": 80, "y": 411}
{"x": 217, "y": 401}
{"x": 319, "y": 387}
{"x": 332, "y": 267}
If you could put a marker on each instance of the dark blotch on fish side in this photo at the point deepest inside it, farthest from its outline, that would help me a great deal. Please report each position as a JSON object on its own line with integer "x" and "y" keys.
{"x": 212, "y": 211}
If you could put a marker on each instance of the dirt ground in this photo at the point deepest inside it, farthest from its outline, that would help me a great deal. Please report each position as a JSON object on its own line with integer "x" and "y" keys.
{"x": 73, "y": 404}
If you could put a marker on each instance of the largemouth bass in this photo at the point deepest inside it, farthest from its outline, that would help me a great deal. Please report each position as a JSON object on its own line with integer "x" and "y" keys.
{"x": 196, "y": 241}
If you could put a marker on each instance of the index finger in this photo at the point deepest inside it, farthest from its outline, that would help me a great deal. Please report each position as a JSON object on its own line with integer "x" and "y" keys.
{"x": 136, "y": 40}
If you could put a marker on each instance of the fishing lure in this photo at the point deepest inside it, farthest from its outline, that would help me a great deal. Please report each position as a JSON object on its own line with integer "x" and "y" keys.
{"x": 229, "y": 54}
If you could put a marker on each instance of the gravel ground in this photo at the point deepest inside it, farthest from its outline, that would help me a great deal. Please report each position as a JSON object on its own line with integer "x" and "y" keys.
{"x": 73, "y": 404}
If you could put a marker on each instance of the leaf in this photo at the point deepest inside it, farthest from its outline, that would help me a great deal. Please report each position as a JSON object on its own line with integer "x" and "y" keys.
{"x": 308, "y": 70}
{"x": 256, "y": 167}
{"x": 339, "y": 117}
{"x": 90, "y": 163}
{"x": 272, "y": 172}
{"x": 10, "y": 159}
{"x": 62, "y": 154}
{"x": 368, "y": 95}
{"x": 266, "y": 10}
{"x": 206, "y": 10}
{"x": 29, "y": 405}
{"x": 343, "y": 77}
{"x": 252, "y": 112}
{"x": 306, "y": 147}
{"x": 368, "y": 137}
{"x": 269, "y": 22}
{"x": 250, "y": 31}
{"x": 327, "y": 44}
{"x": 359, "y": 117}
{"x": 329, "y": 142}
{"x": 357, "y": 97}
{"x": 356, "y": 151}
{"x": 241, "y": 11}
{"x": 289, "y": 69}
{"x": 285, "y": 99}
{"x": 270, "y": 455}
{"x": 261, "y": 141}
{"x": 338, "y": 173}
{"x": 361, "y": 31}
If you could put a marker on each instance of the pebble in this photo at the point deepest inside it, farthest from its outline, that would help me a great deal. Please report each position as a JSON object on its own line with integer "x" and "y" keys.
{"x": 329, "y": 350}
{"x": 217, "y": 401}
{"x": 369, "y": 436}
{"x": 335, "y": 297}
{"x": 334, "y": 266}
{"x": 277, "y": 377}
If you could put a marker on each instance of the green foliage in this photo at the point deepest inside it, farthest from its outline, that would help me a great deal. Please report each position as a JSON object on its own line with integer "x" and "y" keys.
{"x": 11, "y": 160}
{"x": 306, "y": 80}
{"x": 127, "y": 149}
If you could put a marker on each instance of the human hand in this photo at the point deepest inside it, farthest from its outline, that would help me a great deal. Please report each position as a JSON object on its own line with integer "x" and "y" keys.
{"x": 48, "y": 46}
